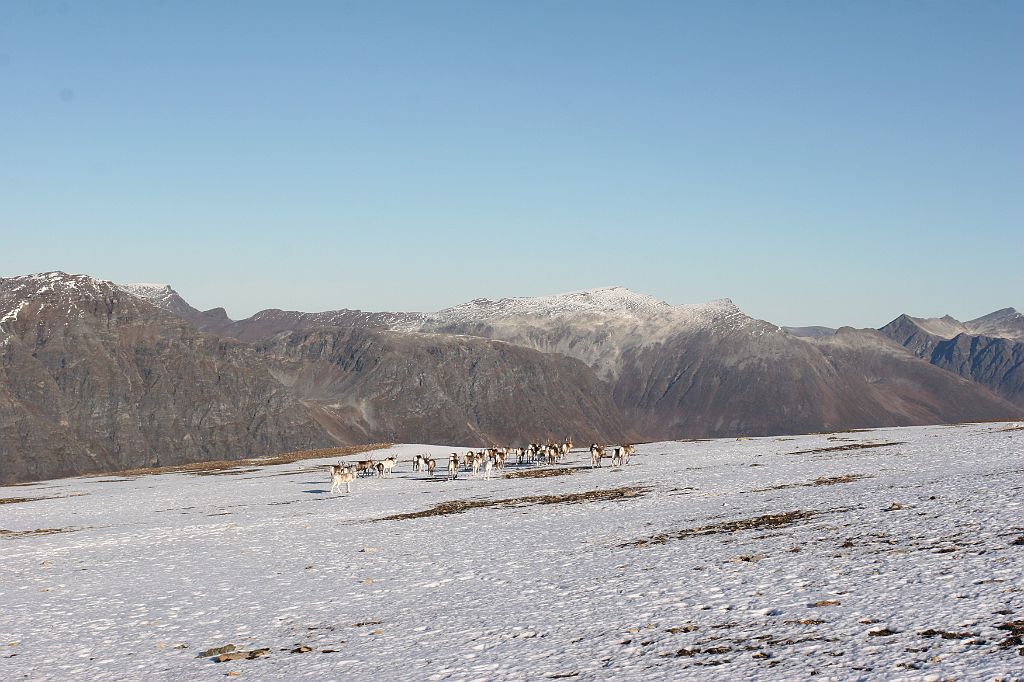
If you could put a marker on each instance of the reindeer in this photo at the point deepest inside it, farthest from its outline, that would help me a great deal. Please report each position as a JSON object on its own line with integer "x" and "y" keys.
{"x": 617, "y": 456}
{"x": 627, "y": 450}
{"x": 431, "y": 465}
{"x": 453, "y": 466}
{"x": 365, "y": 467}
{"x": 341, "y": 474}
{"x": 488, "y": 466}
{"x": 417, "y": 463}
{"x": 387, "y": 467}
{"x": 596, "y": 453}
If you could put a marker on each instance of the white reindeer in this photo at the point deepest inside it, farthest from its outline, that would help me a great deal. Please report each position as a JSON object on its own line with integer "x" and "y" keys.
{"x": 341, "y": 474}
{"x": 386, "y": 467}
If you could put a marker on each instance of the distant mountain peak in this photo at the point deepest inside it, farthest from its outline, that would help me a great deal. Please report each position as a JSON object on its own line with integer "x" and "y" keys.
{"x": 610, "y": 301}
{"x": 148, "y": 291}
{"x": 1001, "y": 314}
{"x": 601, "y": 300}
{"x": 58, "y": 279}
{"x": 55, "y": 284}
{"x": 1005, "y": 323}
{"x": 162, "y": 296}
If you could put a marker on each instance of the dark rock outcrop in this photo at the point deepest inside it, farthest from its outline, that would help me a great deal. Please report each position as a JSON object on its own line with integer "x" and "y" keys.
{"x": 996, "y": 362}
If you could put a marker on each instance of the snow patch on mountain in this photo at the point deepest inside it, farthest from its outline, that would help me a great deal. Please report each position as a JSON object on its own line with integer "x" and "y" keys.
{"x": 156, "y": 293}
{"x": 1005, "y": 323}
{"x": 947, "y": 327}
{"x": 56, "y": 288}
{"x": 606, "y": 302}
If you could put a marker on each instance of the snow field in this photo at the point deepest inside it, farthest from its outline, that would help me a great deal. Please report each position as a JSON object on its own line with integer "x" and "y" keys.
{"x": 884, "y": 554}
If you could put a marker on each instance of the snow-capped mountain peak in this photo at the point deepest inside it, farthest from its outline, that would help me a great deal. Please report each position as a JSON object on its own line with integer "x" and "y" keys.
{"x": 614, "y": 301}
{"x": 151, "y": 292}
{"x": 600, "y": 301}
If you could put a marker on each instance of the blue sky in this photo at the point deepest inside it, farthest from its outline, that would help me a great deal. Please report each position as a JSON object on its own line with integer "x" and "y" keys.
{"x": 817, "y": 162}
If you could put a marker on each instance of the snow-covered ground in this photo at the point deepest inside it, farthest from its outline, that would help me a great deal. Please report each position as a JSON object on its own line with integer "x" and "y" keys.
{"x": 731, "y": 559}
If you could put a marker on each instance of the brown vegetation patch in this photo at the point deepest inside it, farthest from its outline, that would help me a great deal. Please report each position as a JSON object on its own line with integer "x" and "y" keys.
{"x": 18, "y": 500}
{"x": 946, "y": 634}
{"x": 543, "y": 473}
{"x": 4, "y": 533}
{"x": 821, "y": 480}
{"x": 1016, "y": 638}
{"x": 221, "y": 464}
{"x": 225, "y": 472}
{"x": 766, "y": 521}
{"x": 459, "y": 506}
{"x": 845, "y": 448}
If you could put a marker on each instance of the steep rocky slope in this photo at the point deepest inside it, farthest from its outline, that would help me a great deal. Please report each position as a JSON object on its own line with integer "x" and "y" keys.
{"x": 711, "y": 370}
{"x": 988, "y": 350}
{"x": 430, "y": 388}
{"x": 95, "y": 379}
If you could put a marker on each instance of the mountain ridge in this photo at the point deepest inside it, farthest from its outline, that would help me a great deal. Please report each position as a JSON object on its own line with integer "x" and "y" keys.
{"x": 96, "y": 376}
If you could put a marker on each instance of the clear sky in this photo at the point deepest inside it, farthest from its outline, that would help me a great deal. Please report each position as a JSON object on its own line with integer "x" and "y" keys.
{"x": 817, "y": 162}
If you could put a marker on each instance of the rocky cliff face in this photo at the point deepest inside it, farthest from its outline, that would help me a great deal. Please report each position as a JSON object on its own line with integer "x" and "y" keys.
{"x": 402, "y": 387}
{"x": 95, "y": 379}
{"x": 989, "y": 350}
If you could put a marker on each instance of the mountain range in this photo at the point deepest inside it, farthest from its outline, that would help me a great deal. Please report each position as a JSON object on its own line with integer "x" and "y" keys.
{"x": 98, "y": 376}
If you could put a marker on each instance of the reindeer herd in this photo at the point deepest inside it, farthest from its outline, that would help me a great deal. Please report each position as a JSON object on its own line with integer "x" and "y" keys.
{"x": 486, "y": 462}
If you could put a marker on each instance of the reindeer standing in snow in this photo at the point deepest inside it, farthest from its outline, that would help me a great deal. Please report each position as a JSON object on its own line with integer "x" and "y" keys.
{"x": 342, "y": 474}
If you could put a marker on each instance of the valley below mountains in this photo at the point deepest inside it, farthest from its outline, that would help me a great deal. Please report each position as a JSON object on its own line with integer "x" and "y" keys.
{"x": 97, "y": 376}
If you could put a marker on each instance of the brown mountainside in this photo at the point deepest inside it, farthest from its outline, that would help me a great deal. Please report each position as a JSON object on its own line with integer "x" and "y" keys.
{"x": 98, "y": 377}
